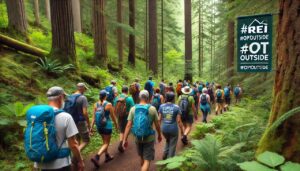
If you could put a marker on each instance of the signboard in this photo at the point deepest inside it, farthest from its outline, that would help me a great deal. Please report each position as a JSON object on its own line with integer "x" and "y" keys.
{"x": 254, "y": 43}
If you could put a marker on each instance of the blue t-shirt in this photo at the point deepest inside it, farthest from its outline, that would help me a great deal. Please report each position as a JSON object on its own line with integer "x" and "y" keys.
{"x": 169, "y": 114}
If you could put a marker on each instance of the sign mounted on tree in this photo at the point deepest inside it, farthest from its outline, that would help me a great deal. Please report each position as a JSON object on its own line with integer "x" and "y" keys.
{"x": 254, "y": 43}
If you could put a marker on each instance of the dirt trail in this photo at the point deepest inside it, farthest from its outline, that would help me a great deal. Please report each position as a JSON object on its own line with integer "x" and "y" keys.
{"x": 129, "y": 160}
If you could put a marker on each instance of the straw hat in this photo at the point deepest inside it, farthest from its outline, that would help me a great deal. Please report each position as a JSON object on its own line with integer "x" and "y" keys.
{"x": 186, "y": 90}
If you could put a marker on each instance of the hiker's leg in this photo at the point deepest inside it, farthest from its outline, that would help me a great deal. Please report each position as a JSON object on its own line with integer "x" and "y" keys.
{"x": 172, "y": 145}
{"x": 84, "y": 135}
{"x": 167, "y": 146}
{"x": 148, "y": 155}
{"x": 187, "y": 129}
{"x": 104, "y": 147}
{"x": 146, "y": 165}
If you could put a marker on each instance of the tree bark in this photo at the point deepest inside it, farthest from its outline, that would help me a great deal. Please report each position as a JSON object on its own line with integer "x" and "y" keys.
{"x": 99, "y": 30}
{"x": 200, "y": 39}
{"x": 131, "y": 55}
{"x": 36, "y": 12}
{"x": 16, "y": 15}
{"x": 120, "y": 33}
{"x": 286, "y": 138}
{"x": 188, "y": 39}
{"x": 47, "y": 9}
{"x": 153, "y": 62}
{"x": 63, "y": 41}
{"x": 146, "y": 36}
{"x": 230, "y": 49}
{"x": 76, "y": 15}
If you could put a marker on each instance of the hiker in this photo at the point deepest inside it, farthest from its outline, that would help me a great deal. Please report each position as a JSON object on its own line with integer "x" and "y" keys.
{"x": 204, "y": 102}
{"x": 195, "y": 95}
{"x": 112, "y": 91}
{"x": 77, "y": 106}
{"x": 227, "y": 96}
{"x": 237, "y": 93}
{"x": 149, "y": 85}
{"x": 170, "y": 88}
{"x": 200, "y": 87}
{"x": 170, "y": 116}
{"x": 219, "y": 99}
{"x": 188, "y": 110}
{"x": 179, "y": 87}
{"x": 123, "y": 103}
{"x": 210, "y": 92}
{"x": 134, "y": 90}
{"x": 141, "y": 118}
{"x": 157, "y": 99}
{"x": 61, "y": 140}
{"x": 103, "y": 118}
{"x": 162, "y": 87}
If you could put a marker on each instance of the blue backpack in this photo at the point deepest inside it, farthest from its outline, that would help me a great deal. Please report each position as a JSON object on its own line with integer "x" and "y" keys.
{"x": 156, "y": 102}
{"x": 200, "y": 87}
{"x": 219, "y": 94}
{"x": 111, "y": 94}
{"x": 149, "y": 87}
{"x": 40, "y": 135}
{"x": 100, "y": 118}
{"x": 203, "y": 99}
{"x": 184, "y": 106}
{"x": 70, "y": 107}
{"x": 226, "y": 92}
{"x": 141, "y": 123}
{"x": 236, "y": 91}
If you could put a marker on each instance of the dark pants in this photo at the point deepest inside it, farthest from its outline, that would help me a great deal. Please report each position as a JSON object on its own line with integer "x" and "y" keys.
{"x": 170, "y": 147}
{"x": 67, "y": 168}
{"x": 204, "y": 117}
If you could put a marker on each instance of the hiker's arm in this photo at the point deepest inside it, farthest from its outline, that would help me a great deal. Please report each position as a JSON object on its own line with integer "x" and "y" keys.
{"x": 86, "y": 116}
{"x": 157, "y": 127}
{"x": 93, "y": 120}
{"x": 127, "y": 130}
{"x": 180, "y": 123}
{"x": 74, "y": 146}
{"x": 194, "y": 110}
{"x": 113, "y": 116}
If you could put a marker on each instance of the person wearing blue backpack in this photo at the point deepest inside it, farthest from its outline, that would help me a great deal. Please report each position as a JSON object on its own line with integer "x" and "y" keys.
{"x": 170, "y": 116}
{"x": 227, "y": 96}
{"x": 149, "y": 86}
{"x": 140, "y": 120}
{"x": 219, "y": 94}
{"x": 237, "y": 93}
{"x": 112, "y": 91}
{"x": 104, "y": 118}
{"x": 50, "y": 135}
{"x": 204, "y": 102}
{"x": 157, "y": 99}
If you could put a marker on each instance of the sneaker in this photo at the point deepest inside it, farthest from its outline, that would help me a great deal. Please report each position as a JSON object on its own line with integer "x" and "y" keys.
{"x": 120, "y": 148}
{"x": 95, "y": 161}
{"x": 184, "y": 140}
{"x": 108, "y": 158}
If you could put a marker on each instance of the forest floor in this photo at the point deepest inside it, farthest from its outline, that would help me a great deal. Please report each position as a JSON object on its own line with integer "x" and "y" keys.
{"x": 129, "y": 160}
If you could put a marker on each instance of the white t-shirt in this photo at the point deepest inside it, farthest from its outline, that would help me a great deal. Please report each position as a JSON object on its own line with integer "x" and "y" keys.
{"x": 65, "y": 128}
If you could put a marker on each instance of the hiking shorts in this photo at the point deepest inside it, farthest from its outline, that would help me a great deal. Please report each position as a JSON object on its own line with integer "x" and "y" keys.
{"x": 146, "y": 150}
{"x": 227, "y": 100}
{"x": 104, "y": 131}
{"x": 189, "y": 119}
{"x": 219, "y": 100}
{"x": 83, "y": 131}
{"x": 122, "y": 122}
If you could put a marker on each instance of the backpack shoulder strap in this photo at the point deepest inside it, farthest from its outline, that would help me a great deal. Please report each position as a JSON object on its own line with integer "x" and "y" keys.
{"x": 56, "y": 112}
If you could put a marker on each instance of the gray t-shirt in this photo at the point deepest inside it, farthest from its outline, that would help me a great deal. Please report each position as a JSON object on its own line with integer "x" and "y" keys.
{"x": 65, "y": 128}
{"x": 81, "y": 102}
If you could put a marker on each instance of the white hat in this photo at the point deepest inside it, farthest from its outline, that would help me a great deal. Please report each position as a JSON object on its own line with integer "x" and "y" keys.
{"x": 186, "y": 90}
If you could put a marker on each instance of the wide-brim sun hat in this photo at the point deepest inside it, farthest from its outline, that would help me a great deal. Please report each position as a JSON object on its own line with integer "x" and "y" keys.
{"x": 186, "y": 90}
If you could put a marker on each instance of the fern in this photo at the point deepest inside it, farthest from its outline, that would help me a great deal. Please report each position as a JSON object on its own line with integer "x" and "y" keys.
{"x": 50, "y": 66}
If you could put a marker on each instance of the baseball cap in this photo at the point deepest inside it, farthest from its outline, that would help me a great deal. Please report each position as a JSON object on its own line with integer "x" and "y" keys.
{"x": 82, "y": 85}
{"x": 113, "y": 82}
{"x": 103, "y": 93}
{"x": 144, "y": 94}
{"x": 56, "y": 91}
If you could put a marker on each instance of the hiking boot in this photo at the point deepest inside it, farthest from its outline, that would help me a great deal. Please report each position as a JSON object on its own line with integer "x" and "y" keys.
{"x": 165, "y": 156}
{"x": 120, "y": 148}
{"x": 108, "y": 158}
{"x": 95, "y": 161}
{"x": 184, "y": 140}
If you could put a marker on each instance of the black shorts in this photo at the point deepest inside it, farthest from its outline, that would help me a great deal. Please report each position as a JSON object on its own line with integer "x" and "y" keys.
{"x": 227, "y": 100}
{"x": 146, "y": 150}
{"x": 187, "y": 119}
{"x": 104, "y": 131}
{"x": 219, "y": 100}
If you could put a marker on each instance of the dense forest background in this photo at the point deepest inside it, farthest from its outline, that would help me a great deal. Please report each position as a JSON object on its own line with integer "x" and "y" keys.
{"x": 66, "y": 41}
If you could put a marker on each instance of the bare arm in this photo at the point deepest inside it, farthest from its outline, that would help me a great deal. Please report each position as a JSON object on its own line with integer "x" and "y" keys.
{"x": 94, "y": 113}
{"x": 73, "y": 144}
{"x": 112, "y": 114}
{"x": 180, "y": 123}
{"x": 127, "y": 130}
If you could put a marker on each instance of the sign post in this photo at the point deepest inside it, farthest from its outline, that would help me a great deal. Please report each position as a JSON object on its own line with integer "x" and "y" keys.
{"x": 254, "y": 43}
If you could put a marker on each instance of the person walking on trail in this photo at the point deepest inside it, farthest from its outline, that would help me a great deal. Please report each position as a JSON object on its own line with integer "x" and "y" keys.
{"x": 195, "y": 95}
{"x": 219, "y": 99}
{"x": 200, "y": 87}
{"x": 134, "y": 90}
{"x": 162, "y": 87}
{"x": 103, "y": 118}
{"x": 112, "y": 91}
{"x": 227, "y": 96}
{"x": 157, "y": 99}
{"x": 186, "y": 104}
{"x": 237, "y": 93}
{"x": 77, "y": 106}
{"x": 141, "y": 118}
{"x": 170, "y": 88}
{"x": 179, "y": 87}
{"x": 149, "y": 86}
{"x": 64, "y": 135}
{"x": 123, "y": 103}
{"x": 204, "y": 102}
{"x": 210, "y": 92}
{"x": 170, "y": 116}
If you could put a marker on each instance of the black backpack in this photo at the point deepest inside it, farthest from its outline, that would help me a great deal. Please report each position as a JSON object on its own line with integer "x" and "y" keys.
{"x": 203, "y": 99}
{"x": 184, "y": 106}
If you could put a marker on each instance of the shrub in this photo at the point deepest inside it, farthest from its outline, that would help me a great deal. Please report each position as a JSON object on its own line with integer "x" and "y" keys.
{"x": 53, "y": 67}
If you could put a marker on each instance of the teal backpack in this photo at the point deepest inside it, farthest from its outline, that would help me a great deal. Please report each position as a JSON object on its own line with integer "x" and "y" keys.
{"x": 219, "y": 94}
{"x": 100, "y": 117}
{"x": 40, "y": 135}
{"x": 141, "y": 123}
{"x": 156, "y": 102}
{"x": 226, "y": 92}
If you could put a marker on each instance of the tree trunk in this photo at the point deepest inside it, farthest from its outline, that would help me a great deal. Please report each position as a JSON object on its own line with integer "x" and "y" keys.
{"x": 36, "y": 12}
{"x": 131, "y": 55}
{"x": 188, "y": 39}
{"x": 199, "y": 39}
{"x": 286, "y": 138}
{"x": 120, "y": 33}
{"x": 162, "y": 39}
{"x": 230, "y": 49}
{"x": 153, "y": 62}
{"x": 146, "y": 36}
{"x": 63, "y": 41}
{"x": 76, "y": 15}
{"x": 99, "y": 30}
{"x": 16, "y": 15}
{"x": 47, "y": 9}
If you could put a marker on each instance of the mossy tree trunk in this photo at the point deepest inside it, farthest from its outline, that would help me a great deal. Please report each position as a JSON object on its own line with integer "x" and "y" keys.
{"x": 131, "y": 54}
{"x": 99, "y": 31}
{"x": 286, "y": 138}
{"x": 16, "y": 15}
{"x": 153, "y": 59}
{"x": 188, "y": 39}
{"x": 36, "y": 12}
{"x": 230, "y": 49}
{"x": 63, "y": 41}
{"x": 76, "y": 15}
{"x": 47, "y": 9}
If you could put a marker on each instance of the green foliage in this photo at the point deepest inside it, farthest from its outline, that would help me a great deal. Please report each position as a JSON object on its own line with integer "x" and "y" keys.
{"x": 3, "y": 16}
{"x": 17, "y": 109}
{"x": 269, "y": 161}
{"x": 203, "y": 129}
{"x": 53, "y": 66}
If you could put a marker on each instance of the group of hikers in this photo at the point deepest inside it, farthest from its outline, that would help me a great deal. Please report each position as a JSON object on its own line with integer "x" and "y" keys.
{"x": 61, "y": 128}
